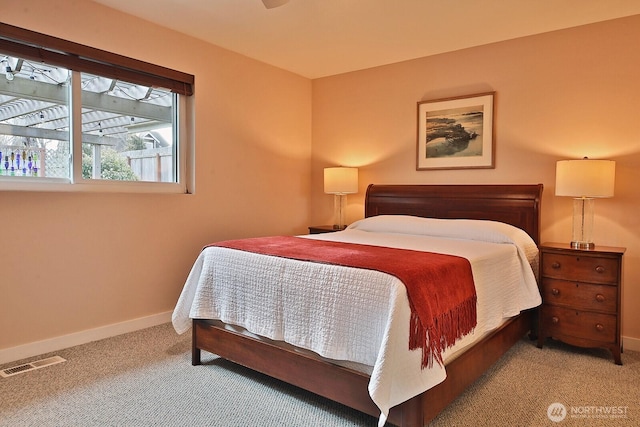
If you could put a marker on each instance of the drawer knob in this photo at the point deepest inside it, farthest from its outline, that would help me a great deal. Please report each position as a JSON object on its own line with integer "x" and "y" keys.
{"x": 555, "y": 265}
{"x": 554, "y": 320}
{"x": 555, "y": 291}
{"x": 600, "y": 269}
{"x": 599, "y": 327}
{"x": 600, "y": 298}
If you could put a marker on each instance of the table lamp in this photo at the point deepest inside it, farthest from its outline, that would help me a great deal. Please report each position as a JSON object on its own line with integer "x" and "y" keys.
{"x": 340, "y": 181}
{"x": 584, "y": 180}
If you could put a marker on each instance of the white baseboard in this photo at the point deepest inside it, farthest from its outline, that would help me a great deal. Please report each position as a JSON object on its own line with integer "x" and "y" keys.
{"x": 65, "y": 341}
{"x": 629, "y": 343}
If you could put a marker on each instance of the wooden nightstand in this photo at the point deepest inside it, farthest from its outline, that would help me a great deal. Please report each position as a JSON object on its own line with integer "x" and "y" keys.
{"x": 581, "y": 296}
{"x": 317, "y": 229}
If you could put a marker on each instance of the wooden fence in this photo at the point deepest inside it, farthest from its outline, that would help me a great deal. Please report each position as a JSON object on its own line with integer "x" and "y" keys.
{"x": 154, "y": 164}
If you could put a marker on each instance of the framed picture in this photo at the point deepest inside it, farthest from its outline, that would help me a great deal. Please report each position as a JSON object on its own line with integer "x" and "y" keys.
{"x": 456, "y": 133}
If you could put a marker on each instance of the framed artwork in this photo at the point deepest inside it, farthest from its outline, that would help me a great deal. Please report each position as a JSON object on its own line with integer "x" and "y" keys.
{"x": 456, "y": 133}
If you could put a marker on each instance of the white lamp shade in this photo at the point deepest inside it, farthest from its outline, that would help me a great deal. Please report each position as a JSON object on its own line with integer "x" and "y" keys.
{"x": 585, "y": 178}
{"x": 340, "y": 180}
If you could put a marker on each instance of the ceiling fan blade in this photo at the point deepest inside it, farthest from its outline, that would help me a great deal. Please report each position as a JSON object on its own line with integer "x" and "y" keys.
{"x": 270, "y": 4}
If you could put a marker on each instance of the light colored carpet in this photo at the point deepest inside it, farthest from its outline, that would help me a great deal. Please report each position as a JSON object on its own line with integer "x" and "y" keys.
{"x": 145, "y": 378}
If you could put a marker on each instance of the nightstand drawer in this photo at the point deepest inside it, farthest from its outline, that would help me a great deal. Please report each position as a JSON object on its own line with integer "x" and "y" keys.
{"x": 585, "y": 296}
{"x": 580, "y": 268}
{"x": 579, "y": 324}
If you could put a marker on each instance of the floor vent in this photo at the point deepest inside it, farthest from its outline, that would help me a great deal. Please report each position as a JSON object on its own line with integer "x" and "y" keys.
{"x": 15, "y": 370}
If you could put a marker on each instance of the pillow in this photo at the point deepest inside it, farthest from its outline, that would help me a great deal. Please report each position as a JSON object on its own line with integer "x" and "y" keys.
{"x": 466, "y": 229}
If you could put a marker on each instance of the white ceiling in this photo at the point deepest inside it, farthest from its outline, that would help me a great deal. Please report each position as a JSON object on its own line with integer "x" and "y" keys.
{"x": 317, "y": 38}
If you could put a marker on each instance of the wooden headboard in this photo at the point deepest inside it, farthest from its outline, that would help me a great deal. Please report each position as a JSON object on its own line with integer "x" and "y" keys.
{"x": 518, "y": 205}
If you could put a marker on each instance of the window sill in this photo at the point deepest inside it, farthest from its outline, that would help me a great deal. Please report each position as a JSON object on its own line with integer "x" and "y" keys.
{"x": 88, "y": 186}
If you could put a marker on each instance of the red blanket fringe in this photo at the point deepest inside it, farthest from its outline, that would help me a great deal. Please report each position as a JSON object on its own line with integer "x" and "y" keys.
{"x": 440, "y": 287}
{"x": 444, "y": 331}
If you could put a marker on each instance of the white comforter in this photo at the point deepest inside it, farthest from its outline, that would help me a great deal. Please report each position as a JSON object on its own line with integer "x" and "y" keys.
{"x": 357, "y": 315}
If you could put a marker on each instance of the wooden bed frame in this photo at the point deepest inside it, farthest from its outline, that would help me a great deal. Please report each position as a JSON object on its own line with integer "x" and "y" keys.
{"x": 518, "y": 205}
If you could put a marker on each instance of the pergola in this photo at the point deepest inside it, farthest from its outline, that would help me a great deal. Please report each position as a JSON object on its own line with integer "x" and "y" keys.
{"x": 34, "y": 107}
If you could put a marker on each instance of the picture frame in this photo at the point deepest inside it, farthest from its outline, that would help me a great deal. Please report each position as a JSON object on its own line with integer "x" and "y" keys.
{"x": 456, "y": 133}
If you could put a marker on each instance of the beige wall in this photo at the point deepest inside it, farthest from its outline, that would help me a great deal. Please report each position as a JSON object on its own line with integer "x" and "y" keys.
{"x": 560, "y": 95}
{"x": 70, "y": 262}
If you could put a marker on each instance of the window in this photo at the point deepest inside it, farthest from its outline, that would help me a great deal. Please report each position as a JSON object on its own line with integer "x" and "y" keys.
{"x": 34, "y": 120}
{"x": 74, "y": 117}
{"x": 127, "y": 131}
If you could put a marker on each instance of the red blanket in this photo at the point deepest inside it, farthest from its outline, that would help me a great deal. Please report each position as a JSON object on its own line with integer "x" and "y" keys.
{"x": 440, "y": 287}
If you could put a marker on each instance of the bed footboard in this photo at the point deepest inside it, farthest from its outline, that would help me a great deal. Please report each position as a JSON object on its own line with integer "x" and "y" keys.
{"x": 349, "y": 387}
{"x": 339, "y": 384}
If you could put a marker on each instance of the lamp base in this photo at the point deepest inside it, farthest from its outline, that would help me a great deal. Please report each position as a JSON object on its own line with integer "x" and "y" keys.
{"x": 583, "y": 245}
{"x": 582, "y": 230}
{"x": 339, "y": 210}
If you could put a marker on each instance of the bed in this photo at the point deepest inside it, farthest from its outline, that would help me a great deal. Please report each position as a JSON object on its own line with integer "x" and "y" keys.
{"x": 516, "y": 205}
